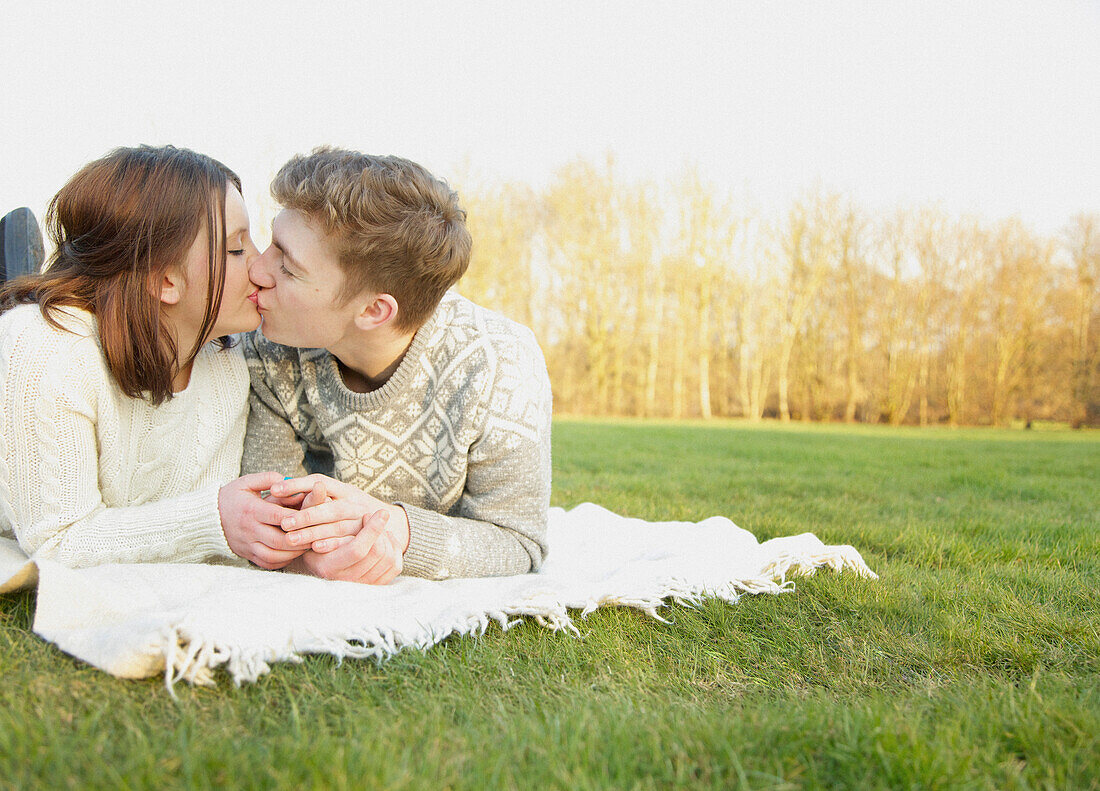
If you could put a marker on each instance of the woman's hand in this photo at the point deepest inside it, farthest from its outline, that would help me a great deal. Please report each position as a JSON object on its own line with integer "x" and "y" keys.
{"x": 252, "y": 524}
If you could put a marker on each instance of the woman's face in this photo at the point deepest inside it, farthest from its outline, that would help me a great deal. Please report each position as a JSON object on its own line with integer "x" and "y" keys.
{"x": 238, "y": 311}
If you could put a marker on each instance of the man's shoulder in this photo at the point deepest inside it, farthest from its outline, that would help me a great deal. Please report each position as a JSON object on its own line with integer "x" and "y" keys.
{"x": 503, "y": 362}
{"x": 495, "y": 355}
{"x": 464, "y": 320}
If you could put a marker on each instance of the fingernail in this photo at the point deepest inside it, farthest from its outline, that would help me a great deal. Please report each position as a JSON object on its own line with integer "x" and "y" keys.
{"x": 293, "y": 538}
{"x": 289, "y": 524}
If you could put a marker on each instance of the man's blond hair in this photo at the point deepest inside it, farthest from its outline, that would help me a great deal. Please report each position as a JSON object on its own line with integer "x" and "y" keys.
{"x": 394, "y": 227}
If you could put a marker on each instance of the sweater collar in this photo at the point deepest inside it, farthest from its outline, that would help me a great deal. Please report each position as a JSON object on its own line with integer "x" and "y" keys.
{"x": 423, "y": 341}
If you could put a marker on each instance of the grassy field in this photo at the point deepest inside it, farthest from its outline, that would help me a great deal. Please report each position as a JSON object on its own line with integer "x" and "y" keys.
{"x": 973, "y": 663}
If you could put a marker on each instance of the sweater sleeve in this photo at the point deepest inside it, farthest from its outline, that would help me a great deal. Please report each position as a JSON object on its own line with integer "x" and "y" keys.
{"x": 500, "y": 526}
{"x": 50, "y": 489}
{"x": 270, "y": 442}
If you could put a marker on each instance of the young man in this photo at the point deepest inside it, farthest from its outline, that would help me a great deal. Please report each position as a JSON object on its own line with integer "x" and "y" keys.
{"x": 424, "y": 418}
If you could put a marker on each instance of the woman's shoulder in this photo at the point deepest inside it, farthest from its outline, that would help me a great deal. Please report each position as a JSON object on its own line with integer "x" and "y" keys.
{"x": 39, "y": 359}
{"x": 28, "y": 320}
{"x": 24, "y": 330}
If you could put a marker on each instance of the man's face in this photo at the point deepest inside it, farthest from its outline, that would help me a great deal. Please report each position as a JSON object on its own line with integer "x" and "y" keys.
{"x": 300, "y": 282}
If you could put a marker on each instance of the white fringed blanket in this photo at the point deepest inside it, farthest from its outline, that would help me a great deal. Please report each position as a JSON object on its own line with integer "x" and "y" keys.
{"x": 187, "y": 620}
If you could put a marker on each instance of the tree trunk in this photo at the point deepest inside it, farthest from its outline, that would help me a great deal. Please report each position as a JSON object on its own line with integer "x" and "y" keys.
{"x": 704, "y": 346}
{"x": 923, "y": 378}
{"x": 784, "y": 380}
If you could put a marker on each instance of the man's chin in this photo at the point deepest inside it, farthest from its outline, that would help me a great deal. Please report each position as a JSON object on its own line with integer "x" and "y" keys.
{"x": 267, "y": 332}
{"x": 273, "y": 334}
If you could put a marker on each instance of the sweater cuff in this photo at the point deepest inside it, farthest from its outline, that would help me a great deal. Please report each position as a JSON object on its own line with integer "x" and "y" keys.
{"x": 204, "y": 523}
{"x": 426, "y": 554}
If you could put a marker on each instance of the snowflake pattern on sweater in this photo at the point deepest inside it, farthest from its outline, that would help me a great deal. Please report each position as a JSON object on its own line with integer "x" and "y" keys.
{"x": 459, "y": 436}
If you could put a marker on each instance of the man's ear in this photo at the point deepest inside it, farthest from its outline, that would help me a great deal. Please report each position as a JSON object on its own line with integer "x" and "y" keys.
{"x": 380, "y": 311}
{"x": 170, "y": 288}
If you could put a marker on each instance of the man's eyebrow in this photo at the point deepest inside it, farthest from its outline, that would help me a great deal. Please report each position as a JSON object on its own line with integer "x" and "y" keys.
{"x": 286, "y": 254}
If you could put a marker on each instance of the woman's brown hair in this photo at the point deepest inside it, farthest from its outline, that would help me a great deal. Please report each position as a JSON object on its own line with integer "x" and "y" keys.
{"x": 118, "y": 225}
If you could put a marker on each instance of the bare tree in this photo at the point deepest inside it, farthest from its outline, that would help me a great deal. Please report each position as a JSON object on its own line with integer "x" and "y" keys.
{"x": 854, "y": 282}
{"x": 582, "y": 229}
{"x": 708, "y": 229}
{"x": 964, "y": 288}
{"x": 502, "y": 275}
{"x": 933, "y": 246}
{"x": 804, "y": 251}
{"x": 677, "y": 302}
{"x": 1082, "y": 239}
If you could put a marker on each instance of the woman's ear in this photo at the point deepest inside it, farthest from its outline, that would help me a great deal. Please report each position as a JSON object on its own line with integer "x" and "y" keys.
{"x": 171, "y": 287}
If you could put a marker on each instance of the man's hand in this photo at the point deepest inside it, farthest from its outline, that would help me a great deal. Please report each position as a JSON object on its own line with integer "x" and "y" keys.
{"x": 370, "y": 556}
{"x": 333, "y": 512}
{"x": 252, "y": 524}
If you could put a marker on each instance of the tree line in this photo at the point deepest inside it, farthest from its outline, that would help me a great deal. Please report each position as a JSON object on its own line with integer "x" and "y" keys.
{"x": 676, "y": 301}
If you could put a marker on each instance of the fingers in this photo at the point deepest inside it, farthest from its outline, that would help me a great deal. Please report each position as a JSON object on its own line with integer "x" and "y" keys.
{"x": 317, "y": 495}
{"x": 259, "y": 481}
{"x": 326, "y": 530}
{"x": 382, "y": 562}
{"x": 329, "y": 544}
{"x": 378, "y": 557}
{"x": 274, "y": 538}
{"x": 303, "y": 485}
{"x": 371, "y": 527}
{"x": 300, "y": 499}
{"x": 294, "y": 501}
{"x": 387, "y": 566}
{"x": 267, "y": 558}
{"x": 370, "y": 557}
{"x": 329, "y": 511}
{"x": 251, "y": 524}
{"x": 270, "y": 513}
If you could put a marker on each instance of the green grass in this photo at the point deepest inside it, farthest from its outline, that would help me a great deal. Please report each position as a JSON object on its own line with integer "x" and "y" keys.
{"x": 973, "y": 663}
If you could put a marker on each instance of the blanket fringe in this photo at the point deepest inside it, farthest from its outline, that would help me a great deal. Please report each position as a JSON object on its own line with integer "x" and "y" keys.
{"x": 188, "y": 657}
{"x": 836, "y": 558}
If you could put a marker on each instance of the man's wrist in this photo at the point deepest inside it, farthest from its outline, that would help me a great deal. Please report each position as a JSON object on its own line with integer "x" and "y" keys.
{"x": 399, "y": 523}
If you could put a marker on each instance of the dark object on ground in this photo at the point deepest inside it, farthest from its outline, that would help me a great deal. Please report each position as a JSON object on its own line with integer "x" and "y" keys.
{"x": 21, "y": 251}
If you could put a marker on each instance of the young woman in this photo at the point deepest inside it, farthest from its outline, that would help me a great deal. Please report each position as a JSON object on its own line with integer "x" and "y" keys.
{"x": 122, "y": 403}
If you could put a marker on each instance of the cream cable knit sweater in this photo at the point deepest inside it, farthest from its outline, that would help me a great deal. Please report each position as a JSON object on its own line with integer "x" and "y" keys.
{"x": 90, "y": 476}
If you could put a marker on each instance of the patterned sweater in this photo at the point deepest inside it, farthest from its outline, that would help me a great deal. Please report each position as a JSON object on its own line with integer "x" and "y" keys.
{"x": 89, "y": 475}
{"x": 459, "y": 436}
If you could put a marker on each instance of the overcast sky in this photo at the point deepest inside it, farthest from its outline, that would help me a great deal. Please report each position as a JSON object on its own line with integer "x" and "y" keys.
{"x": 985, "y": 107}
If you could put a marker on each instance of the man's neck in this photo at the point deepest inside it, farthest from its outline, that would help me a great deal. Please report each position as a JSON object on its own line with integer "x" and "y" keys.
{"x": 368, "y": 360}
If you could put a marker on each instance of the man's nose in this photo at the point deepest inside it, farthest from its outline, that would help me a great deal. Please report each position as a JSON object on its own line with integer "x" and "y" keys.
{"x": 258, "y": 270}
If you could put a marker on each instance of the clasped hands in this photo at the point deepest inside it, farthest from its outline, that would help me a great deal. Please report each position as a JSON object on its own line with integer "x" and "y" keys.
{"x": 314, "y": 525}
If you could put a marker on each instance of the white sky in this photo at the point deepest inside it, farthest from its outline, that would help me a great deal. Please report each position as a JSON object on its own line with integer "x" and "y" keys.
{"x": 986, "y": 107}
